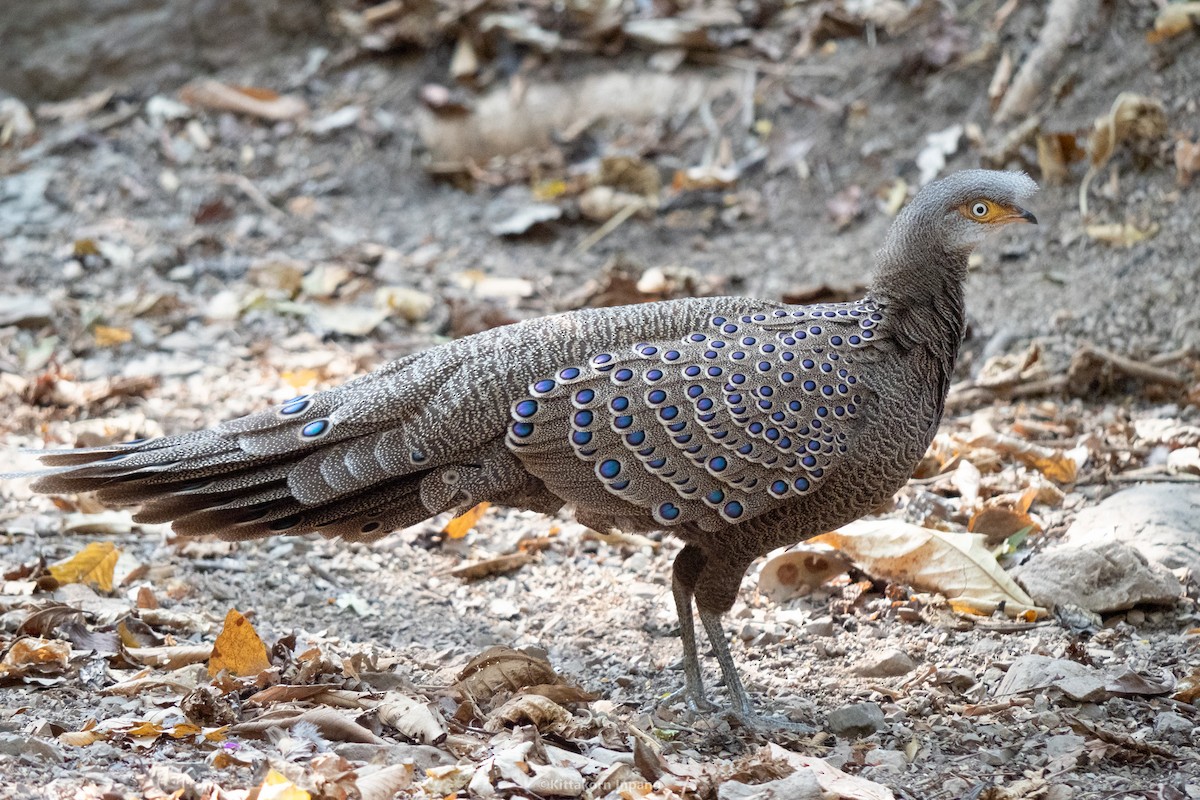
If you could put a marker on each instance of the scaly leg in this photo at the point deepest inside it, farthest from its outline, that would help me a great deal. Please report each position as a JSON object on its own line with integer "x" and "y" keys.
{"x": 688, "y": 565}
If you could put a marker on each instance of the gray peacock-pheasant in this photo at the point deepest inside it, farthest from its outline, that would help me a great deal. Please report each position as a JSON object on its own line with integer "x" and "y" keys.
{"x": 738, "y": 425}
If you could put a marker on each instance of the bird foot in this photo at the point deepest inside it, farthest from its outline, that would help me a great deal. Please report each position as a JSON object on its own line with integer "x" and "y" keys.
{"x": 696, "y": 701}
{"x": 763, "y": 724}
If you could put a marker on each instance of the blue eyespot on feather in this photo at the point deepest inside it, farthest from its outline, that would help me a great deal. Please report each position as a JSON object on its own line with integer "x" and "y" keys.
{"x": 314, "y": 429}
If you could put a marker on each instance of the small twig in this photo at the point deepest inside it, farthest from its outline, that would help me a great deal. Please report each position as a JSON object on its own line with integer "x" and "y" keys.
{"x": 1062, "y": 18}
{"x": 252, "y": 192}
{"x": 614, "y": 222}
{"x": 1133, "y": 369}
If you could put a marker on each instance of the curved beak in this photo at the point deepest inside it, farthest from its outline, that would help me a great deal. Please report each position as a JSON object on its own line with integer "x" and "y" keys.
{"x": 1022, "y": 214}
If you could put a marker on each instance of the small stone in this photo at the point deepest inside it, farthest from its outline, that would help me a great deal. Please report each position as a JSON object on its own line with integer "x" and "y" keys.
{"x": 997, "y": 756}
{"x": 1102, "y": 578}
{"x": 1173, "y": 727}
{"x": 887, "y": 760}
{"x": 822, "y": 626}
{"x": 1065, "y": 744}
{"x": 856, "y": 720}
{"x": 25, "y": 311}
{"x": 1059, "y": 791}
{"x": 16, "y": 744}
{"x": 1136, "y": 617}
{"x": 885, "y": 664}
{"x": 503, "y": 608}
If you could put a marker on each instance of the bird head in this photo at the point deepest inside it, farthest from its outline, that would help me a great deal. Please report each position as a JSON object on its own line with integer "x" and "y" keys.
{"x": 968, "y": 205}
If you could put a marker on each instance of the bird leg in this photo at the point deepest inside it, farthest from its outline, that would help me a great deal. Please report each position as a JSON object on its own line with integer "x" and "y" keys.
{"x": 719, "y": 580}
{"x": 688, "y": 565}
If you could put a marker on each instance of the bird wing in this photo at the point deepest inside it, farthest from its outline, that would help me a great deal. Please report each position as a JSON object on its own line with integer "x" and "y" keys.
{"x": 713, "y": 427}
{"x": 380, "y": 452}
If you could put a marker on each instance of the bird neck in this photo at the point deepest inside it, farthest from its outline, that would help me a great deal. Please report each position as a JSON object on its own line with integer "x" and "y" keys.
{"x": 919, "y": 285}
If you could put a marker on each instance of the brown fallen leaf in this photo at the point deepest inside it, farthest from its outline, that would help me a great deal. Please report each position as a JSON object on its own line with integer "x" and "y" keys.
{"x": 31, "y": 656}
{"x": 238, "y": 649}
{"x": 799, "y": 571}
{"x": 254, "y": 102}
{"x": 93, "y": 565}
{"x": 491, "y": 566}
{"x": 1057, "y": 465}
{"x": 533, "y": 709}
{"x": 955, "y": 564}
{"x": 500, "y": 669}
{"x": 461, "y": 525}
{"x": 997, "y": 522}
{"x": 1187, "y": 161}
{"x": 334, "y": 725}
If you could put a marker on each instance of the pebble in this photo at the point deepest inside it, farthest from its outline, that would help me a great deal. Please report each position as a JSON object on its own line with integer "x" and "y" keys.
{"x": 822, "y": 626}
{"x": 1102, "y": 578}
{"x": 888, "y": 760}
{"x": 17, "y": 744}
{"x": 1173, "y": 727}
{"x": 885, "y": 664}
{"x": 856, "y": 720}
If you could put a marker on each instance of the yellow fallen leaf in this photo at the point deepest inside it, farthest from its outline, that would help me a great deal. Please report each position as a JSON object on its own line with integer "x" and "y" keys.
{"x": 955, "y": 564}
{"x": 238, "y": 648}
{"x": 1124, "y": 234}
{"x": 462, "y": 524}
{"x": 278, "y": 787}
{"x": 92, "y": 565}
{"x": 146, "y": 729}
{"x": 300, "y": 378}
{"x": 81, "y": 738}
{"x": 111, "y": 337}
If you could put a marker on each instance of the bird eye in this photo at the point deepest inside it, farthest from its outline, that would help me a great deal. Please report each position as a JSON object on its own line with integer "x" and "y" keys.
{"x": 979, "y": 210}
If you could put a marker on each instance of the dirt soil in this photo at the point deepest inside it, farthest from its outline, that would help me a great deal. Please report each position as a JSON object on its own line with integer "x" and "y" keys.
{"x": 164, "y": 268}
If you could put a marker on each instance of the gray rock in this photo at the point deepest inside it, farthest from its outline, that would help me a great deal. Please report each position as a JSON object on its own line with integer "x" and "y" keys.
{"x": 1064, "y": 745}
{"x": 857, "y": 720}
{"x": 887, "y": 760}
{"x": 25, "y": 310}
{"x": 1161, "y": 520}
{"x": 60, "y": 48}
{"x": 19, "y": 744}
{"x": 422, "y": 756}
{"x": 800, "y": 785}
{"x": 1173, "y": 727}
{"x": 1100, "y": 578}
{"x": 885, "y": 664}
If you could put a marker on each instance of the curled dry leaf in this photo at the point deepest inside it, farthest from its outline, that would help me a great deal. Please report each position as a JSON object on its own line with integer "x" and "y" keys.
{"x": 413, "y": 718}
{"x": 385, "y": 783}
{"x": 1057, "y": 465}
{"x": 461, "y": 525}
{"x": 503, "y": 669}
{"x": 31, "y": 656}
{"x": 1132, "y": 118}
{"x": 333, "y": 725}
{"x": 955, "y": 564}
{"x": 93, "y": 565}
{"x": 1172, "y": 20}
{"x": 254, "y": 102}
{"x": 1122, "y": 234}
{"x": 798, "y": 571}
{"x": 542, "y": 712}
{"x": 492, "y": 566}
{"x": 238, "y": 648}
